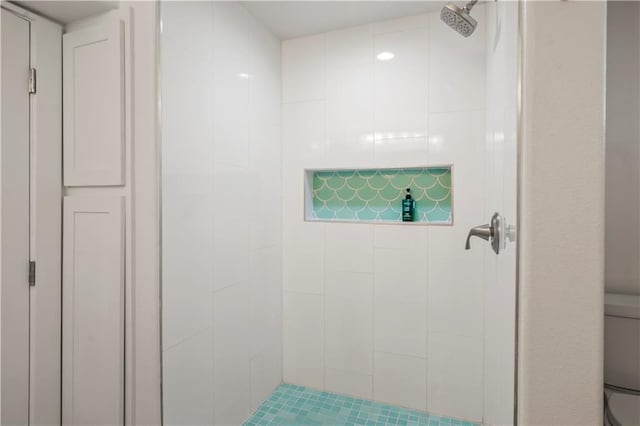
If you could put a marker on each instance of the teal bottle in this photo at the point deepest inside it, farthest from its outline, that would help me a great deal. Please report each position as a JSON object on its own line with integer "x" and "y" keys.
{"x": 408, "y": 207}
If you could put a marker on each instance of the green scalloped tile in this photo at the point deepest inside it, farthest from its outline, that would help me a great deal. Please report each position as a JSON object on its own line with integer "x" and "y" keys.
{"x": 345, "y": 214}
{"x": 438, "y": 215}
{"x": 378, "y": 181}
{"x": 335, "y": 182}
{"x": 324, "y": 212}
{"x": 324, "y": 193}
{"x": 401, "y": 181}
{"x": 376, "y": 194}
{"x": 356, "y": 182}
{"x": 438, "y": 193}
{"x": 367, "y": 214}
{"x": 367, "y": 194}
{"x": 389, "y": 193}
{"x": 445, "y": 180}
{"x": 346, "y": 193}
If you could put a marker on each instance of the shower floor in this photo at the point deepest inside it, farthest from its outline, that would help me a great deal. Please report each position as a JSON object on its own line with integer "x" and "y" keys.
{"x": 300, "y": 406}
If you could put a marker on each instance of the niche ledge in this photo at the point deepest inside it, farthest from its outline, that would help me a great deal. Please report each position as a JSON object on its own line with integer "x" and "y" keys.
{"x": 375, "y": 195}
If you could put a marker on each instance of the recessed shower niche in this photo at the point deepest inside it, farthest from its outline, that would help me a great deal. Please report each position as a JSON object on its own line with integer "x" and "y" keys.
{"x": 376, "y": 195}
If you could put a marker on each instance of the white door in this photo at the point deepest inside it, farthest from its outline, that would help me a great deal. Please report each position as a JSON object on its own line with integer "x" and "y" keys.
{"x": 14, "y": 213}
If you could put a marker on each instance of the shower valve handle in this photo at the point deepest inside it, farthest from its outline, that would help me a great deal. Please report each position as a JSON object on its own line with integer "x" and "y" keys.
{"x": 483, "y": 231}
{"x": 494, "y": 232}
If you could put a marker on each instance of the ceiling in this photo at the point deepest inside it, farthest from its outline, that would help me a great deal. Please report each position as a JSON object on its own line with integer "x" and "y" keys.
{"x": 291, "y": 19}
{"x": 286, "y": 19}
{"x": 68, "y": 11}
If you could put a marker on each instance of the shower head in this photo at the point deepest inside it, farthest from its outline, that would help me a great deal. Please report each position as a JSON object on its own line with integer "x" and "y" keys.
{"x": 459, "y": 18}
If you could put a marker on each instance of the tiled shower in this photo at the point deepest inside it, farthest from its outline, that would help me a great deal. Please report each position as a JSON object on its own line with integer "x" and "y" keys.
{"x": 258, "y": 291}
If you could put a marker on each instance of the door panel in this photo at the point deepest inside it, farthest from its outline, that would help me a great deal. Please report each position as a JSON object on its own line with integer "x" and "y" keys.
{"x": 14, "y": 178}
{"x": 93, "y": 313}
{"x": 94, "y": 113}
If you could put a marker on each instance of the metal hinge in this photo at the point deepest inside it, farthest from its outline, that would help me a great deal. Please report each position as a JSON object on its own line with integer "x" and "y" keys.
{"x": 32, "y": 273}
{"x": 32, "y": 80}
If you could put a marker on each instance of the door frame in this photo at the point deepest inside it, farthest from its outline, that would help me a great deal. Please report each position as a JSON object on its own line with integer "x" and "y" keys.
{"x": 45, "y": 217}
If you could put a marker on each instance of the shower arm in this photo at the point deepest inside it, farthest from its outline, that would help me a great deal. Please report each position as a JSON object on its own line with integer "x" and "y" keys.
{"x": 470, "y": 5}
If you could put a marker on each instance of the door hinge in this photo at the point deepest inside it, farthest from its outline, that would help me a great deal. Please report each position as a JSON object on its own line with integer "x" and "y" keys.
{"x": 32, "y": 273}
{"x": 32, "y": 80}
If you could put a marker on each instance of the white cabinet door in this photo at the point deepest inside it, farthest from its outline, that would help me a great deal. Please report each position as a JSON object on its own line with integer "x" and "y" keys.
{"x": 93, "y": 311}
{"x": 93, "y": 102}
{"x": 14, "y": 227}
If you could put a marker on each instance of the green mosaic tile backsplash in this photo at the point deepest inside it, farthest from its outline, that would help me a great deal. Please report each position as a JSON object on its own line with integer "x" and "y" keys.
{"x": 376, "y": 195}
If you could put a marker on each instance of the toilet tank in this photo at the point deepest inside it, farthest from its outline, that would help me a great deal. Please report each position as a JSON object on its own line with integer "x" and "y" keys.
{"x": 622, "y": 340}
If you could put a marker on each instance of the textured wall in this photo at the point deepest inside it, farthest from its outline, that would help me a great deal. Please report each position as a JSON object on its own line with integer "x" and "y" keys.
{"x": 622, "y": 270}
{"x": 562, "y": 217}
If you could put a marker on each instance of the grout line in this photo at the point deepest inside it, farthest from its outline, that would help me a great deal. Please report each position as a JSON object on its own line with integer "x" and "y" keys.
{"x": 324, "y": 228}
{"x": 186, "y": 338}
{"x": 428, "y": 71}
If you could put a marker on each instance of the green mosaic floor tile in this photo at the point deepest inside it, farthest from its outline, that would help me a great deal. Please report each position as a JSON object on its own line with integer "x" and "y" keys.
{"x": 376, "y": 195}
{"x": 291, "y": 405}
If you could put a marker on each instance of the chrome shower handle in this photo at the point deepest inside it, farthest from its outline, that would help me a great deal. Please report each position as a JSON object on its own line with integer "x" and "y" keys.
{"x": 483, "y": 231}
{"x": 497, "y": 232}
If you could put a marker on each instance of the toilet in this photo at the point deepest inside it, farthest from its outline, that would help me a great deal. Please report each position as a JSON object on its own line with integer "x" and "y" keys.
{"x": 622, "y": 359}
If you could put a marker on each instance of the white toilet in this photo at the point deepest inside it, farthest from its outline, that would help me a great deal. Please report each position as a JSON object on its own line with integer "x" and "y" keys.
{"x": 622, "y": 359}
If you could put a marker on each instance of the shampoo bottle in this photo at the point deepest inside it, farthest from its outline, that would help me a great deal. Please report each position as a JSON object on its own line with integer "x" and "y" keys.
{"x": 408, "y": 207}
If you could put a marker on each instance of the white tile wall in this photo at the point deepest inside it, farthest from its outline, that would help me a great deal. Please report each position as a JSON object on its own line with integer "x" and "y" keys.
{"x": 303, "y": 339}
{"x": 400, "y": 379}
{"x": 349, "y": 321}
{"x": 392, "y": 312}
{"x": 401, "y": 97}
{"x": 455, "y": 375}
{"x": 400, "y": 300}
{"x": 188, "y": 365}
{"x": 457, "y": 71}
{"x": 253, "y": 294}
{"x": 303, "y": 75}
{"x": 222, "y": 213}
{"x": 348, "y": 382}
{"x": 231, "y": 358}
{"x": 349, "y": 247}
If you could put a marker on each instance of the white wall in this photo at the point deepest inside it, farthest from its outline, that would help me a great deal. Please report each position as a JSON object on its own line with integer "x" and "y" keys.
{"x": 387, "y": 312}
{"x": 622, "y": 271}
{"x": 221, "y": 212}
{"x": 562, "y": 214}
{"x": 145, "y": 377}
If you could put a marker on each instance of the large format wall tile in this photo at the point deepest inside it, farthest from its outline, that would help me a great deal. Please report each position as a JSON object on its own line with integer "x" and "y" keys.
{"x": 347, "y": 382}
{"x": 455, "y": 376}
{"x": 231, "y": 367}
{"x": 345, "y": 110}
{"x": 303, "y": 339}
{"x": 188, "y": 366}
{"x": 400, "y": 379}
{"x": 400, "y": 301}
{"x": 401, "y": 98}
{"x": 222, "y": 212}
{"x": 349, "y": 247}
{"x": 349, "y": 96}
{"x": 349, "y": 321}
{"x": 303, "y": 257}
{"x": 303, "y": 67}
{"x": 457, "y": 66}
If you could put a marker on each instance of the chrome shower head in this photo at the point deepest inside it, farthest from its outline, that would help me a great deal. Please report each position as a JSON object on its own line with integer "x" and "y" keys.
{"x": 459, "y": 18}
